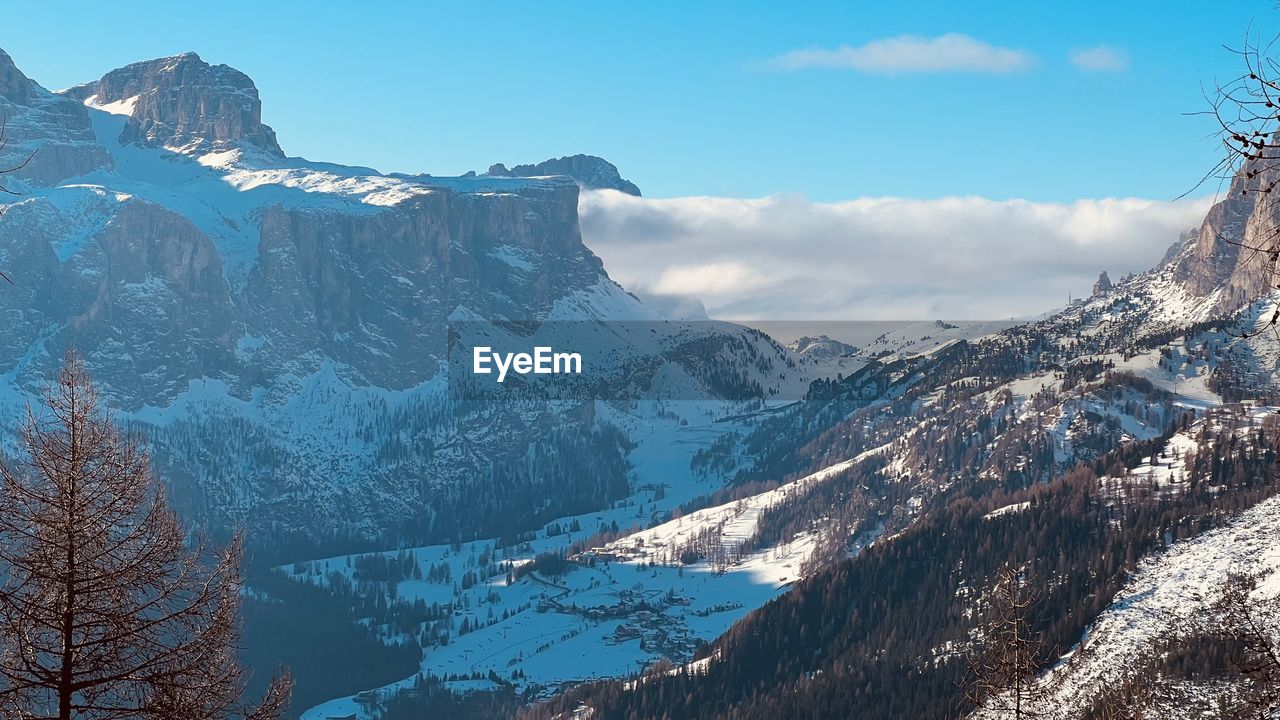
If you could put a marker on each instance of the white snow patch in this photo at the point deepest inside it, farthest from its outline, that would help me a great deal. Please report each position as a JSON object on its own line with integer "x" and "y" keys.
{"x": 119, "y": 107}
{"x": 1007, "y": 510}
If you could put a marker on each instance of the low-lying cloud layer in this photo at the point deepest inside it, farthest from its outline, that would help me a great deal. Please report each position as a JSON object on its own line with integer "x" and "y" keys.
{"x": 785, "y": 258}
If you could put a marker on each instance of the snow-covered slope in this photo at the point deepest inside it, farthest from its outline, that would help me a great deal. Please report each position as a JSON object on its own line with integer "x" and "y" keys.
{"x": 719, "y": 535}
{"x": 1173, "y": 592}
{"x": 1170, "y": 591}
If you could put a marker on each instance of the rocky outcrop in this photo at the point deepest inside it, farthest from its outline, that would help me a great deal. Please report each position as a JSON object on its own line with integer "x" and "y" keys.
{"x": 821, "y": 346}
{"x": 46, "y": 134}
{"x": 158, "y": 278}
{"x": 141, "y": 290}
{"x": 1103, "y": 285}
{"x": 14, "y": 86}
{"x": 183, "y": 103}
{"x": 142, "y": 296}
{"x": 591, "y": 172}
{"x": 374, "y": 291}
{"x": 1229, "y": 258}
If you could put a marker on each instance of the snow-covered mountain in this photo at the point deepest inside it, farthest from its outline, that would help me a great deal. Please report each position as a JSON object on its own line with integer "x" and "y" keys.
{"x": 283, "y": 332}
{"x": 747, "y": 507}
{"x": 279, "y": 328}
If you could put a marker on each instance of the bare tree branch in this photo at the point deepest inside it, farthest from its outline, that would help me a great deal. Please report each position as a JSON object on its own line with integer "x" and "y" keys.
{"x": 1003, "y": 674}
{"x": 106, "y": 610}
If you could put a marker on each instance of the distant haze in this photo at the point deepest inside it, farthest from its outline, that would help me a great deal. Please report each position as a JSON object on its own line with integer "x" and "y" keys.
{"x": 861, "y": 333}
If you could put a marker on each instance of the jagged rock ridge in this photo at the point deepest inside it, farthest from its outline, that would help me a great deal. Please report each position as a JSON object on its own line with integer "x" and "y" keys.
{"x": 184, "y": 103}
{"x": 821, "y": 346}
{"x": 36, "y": 118}
{"x": 591, "y": 172}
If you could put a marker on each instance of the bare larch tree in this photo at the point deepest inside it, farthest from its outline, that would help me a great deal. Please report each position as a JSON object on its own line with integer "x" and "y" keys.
{"x": 1250, "y": 626}
{"x": 1003, "y": 672}
{"x": 1247, "y": 111}
{"x": 107, "y": 608}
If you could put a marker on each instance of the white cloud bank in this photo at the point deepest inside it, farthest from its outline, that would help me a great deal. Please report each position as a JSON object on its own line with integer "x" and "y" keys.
{"x": 1102, "y": 58}
{"x": 952, "y": 52}
{"x": 963, "y": 258}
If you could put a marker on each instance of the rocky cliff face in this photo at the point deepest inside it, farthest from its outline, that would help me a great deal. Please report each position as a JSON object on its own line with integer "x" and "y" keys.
{"x": 1226, "y": 266}
{"x": 373, "y": 292}
{"x": 184, "y": 104}
{"x": 14, "y": 86}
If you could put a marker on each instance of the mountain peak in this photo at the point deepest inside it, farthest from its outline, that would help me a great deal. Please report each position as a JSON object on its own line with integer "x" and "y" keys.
{"x": 185, "y": 104}
{"x": 14, "y": 86}
{"x": 821, "y": 346}
{"x": 591, "y": 172}
{"x": 55, "y": 125}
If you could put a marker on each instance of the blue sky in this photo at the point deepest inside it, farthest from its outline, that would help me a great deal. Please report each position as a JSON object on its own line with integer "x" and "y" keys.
{"x": 692, "y": 98}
